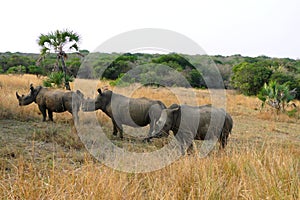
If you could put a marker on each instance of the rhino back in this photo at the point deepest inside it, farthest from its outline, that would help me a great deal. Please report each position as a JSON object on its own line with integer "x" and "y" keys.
{"x": 130, "y": 111}
{"x": 197, "y": 121}
{"x": 143, "y": 110}
{"x": 55, "y": 100}
{"x": 188, "y": 119}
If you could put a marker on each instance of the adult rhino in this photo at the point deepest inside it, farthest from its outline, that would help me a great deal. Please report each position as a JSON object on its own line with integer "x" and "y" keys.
{"x": 135, "y": 112}
{"x": 189, "y": 123}
{"x": 53, "y": 100}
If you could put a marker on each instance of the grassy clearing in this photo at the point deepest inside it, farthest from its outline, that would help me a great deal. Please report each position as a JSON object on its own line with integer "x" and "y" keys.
{"x": 48, "y": 161}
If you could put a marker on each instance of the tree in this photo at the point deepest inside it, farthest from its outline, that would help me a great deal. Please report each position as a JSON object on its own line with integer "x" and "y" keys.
{"x": 276, "y": 95}
{"x": 195, "y": 79}
{"x": 33, "y": 69}
{"x": 249, "y": 78}
{"x": 17, "y": 70}
{"x": 59, "y": 41}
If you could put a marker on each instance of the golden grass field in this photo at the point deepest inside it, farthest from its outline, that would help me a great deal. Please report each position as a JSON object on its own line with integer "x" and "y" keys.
{"x": 45, "y": 160}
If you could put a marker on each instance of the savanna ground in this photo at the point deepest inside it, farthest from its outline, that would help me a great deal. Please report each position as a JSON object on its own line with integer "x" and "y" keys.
{"x": 45, "y": 160}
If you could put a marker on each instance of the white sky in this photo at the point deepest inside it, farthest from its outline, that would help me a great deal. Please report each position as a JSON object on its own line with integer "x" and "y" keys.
{"x": 224, "y": 27}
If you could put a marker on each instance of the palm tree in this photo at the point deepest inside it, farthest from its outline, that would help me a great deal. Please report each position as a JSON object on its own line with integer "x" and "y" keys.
{"x": 276, "y": 95}
{"x": 59, "y": 41}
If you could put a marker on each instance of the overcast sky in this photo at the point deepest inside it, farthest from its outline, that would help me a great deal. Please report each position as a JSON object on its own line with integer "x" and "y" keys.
{"x": 224, "y": 27}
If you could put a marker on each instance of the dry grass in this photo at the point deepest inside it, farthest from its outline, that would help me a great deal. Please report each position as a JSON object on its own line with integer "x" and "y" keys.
{"x": 261, "y": 161}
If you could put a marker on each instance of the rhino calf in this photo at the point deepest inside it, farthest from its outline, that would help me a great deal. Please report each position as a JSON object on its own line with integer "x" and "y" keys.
{"x": 194, "y": 123}
{"x": 52, "y": 100}
{"x": 135, "y": 112}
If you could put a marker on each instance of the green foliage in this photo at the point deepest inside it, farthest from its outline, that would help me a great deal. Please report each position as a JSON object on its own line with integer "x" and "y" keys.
{"x": 293, "y": 113}
{"x": 247, "y": 74}
{"x": 16, "y": 70}
{"x": 122, "y": 81}
{"x": 116, "y": 68}
{"x": 16, "y": 60}
{"x": 117, "y": 65}
{"x": 37, "y": 70}
{"x": 275, "y": 95}
{"x": 127, "y": 57}
{"x": 59, "y": 41}
{"x": 56, "y": 79}
{"x": 173, "y": 58}
{"x": 73, "y": 65}
{"x": 250, "y": 77}
{"x": 174, "y": 61}
{"x": 288, "y": 79}
{"x": 196, "y": 79}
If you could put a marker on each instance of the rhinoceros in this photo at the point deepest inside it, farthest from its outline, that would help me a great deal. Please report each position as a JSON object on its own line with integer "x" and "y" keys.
{"x": 188, "y": 123}
{"x": 134, "y": 112}
{"x": 53, "y": 100}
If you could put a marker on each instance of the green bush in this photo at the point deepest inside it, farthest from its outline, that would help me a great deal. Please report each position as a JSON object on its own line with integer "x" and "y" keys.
{"x": 37, "y": 70}
{"x": 196, "y": 79}
{"x": 56, "y": 79}
{"x": 17, "y": 70}
{"x": 275, "y": 95}
{"x": 249, "y": 78}
{"x": 288, "y": 79}
{"x": 122, "y": 81}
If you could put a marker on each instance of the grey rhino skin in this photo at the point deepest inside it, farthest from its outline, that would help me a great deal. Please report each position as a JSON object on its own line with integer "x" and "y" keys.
{"x": 189, "y": 123}
{"x": 53, "y": 100}
{"x": 135, "y": 112}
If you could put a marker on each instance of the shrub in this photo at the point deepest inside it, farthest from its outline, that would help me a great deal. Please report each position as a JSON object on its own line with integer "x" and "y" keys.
{"x": 17, "y": 70}
{"x": 276, "y": 95}
{"x": 56, "y": 79}
{"x": 33, "y": 69}
{"x": 249, "y": 78}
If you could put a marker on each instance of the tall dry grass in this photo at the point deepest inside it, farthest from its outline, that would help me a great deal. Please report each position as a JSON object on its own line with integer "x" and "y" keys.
{"x": 256, "y": 172}
{"x": 261, "y": 161}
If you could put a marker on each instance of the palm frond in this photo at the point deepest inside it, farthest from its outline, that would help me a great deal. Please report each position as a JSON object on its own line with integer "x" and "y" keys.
{"x": 74, "y": 46}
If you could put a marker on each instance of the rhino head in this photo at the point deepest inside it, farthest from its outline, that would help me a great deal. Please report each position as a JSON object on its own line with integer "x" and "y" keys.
{"x": 166, "y": 122}
{"x": 100, "y": 102}
{"x": 28, "y": 99}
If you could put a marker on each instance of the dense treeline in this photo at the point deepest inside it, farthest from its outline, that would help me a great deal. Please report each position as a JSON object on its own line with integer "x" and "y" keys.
{"x": 246, "y": 74}
{"x": 20, "y": 63}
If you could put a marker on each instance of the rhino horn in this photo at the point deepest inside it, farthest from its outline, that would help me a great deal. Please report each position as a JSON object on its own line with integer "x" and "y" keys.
{"x": 18, "y": 96}
{"x": 31, "y": 87}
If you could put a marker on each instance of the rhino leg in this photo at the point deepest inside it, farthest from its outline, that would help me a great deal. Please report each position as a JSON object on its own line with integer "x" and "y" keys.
{"x": 50, "y": 115}
{"x": 75, "y": 114}
{"x": 76, "y": 117}
{"x": 223, "y": 139}
{"x": 115, "y": 131}
{"x": 117, "y": 128}
{"x": 43, "y": 111}
{"x": 190, "y": 149}
{"x": 152, "y": 123}
{"x": 121, "y": 132}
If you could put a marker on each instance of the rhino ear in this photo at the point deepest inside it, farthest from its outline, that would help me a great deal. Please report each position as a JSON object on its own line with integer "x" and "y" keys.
{"x": 99, "y": 91}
